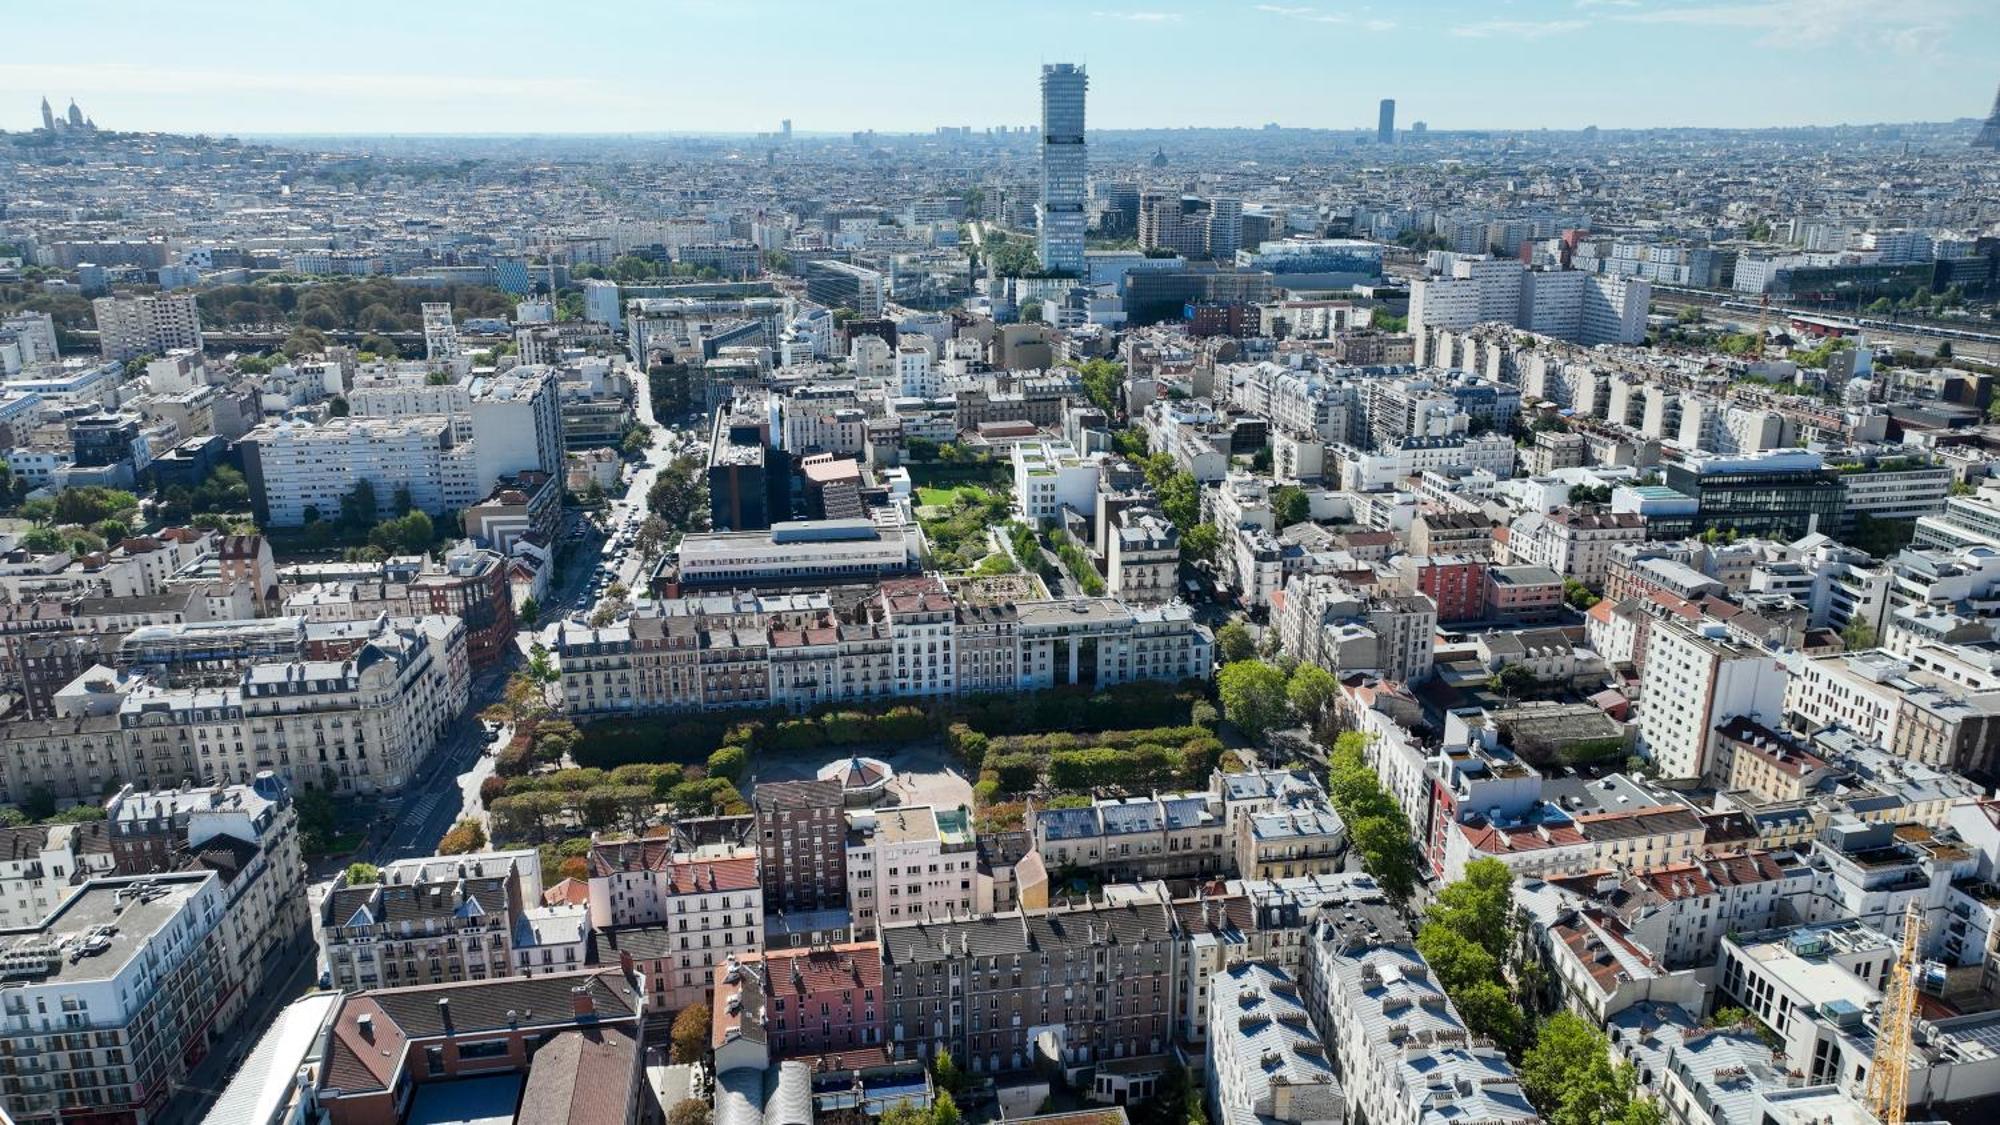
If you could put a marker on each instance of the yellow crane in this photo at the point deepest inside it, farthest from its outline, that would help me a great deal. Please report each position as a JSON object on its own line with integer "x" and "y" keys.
{"x": 1889, "y": 1073}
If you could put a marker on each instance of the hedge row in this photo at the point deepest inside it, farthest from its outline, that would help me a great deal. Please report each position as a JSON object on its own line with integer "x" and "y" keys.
{"x": 1152, "y": 758}
{"x": 610, "y": 743}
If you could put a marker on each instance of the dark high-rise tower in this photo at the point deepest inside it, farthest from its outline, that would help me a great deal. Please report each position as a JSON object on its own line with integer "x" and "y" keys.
{"x": 1065, "y": 169}
{"x": 1989, "y": 133}
{"x": 1385, "y": 126}
{"x": 48, "y": 116}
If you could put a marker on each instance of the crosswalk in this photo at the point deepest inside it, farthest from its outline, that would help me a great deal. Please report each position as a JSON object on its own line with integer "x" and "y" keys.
{"x": 422, "y": 810}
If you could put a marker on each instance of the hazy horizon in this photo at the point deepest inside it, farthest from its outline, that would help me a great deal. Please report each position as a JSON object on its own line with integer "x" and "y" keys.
{"x": 710, "y": 67}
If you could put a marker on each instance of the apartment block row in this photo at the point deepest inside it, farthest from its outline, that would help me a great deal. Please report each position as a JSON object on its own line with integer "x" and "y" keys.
{"x": 906, "y": 638}
{"x": 358, "y": 714}
{"x": 150, "y": 957}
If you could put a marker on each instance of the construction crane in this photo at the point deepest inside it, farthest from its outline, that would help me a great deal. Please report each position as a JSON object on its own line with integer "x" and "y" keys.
{"x": 1889, "y": 1074}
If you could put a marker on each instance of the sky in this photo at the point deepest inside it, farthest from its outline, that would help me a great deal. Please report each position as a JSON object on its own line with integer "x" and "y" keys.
{"x": 624, "y": 66}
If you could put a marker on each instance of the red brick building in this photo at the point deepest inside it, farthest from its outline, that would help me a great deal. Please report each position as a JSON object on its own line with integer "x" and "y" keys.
{"x": 802, "y": 845}
{"x": 473, "y": 586}
{"x": 811, "y": 1002}
{"x": 1457, "y": 583}
{"x": 1523, "y": 593}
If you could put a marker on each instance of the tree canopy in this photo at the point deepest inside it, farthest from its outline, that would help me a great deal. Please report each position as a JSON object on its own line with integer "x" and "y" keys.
{"x": 1253, "y": 696}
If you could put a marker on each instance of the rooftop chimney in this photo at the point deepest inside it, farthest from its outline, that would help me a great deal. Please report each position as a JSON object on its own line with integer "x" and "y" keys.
{"x": 581, "y": 1001}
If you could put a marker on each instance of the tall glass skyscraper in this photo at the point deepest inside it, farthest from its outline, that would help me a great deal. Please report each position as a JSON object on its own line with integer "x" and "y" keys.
{"x": 1065, "y": 169}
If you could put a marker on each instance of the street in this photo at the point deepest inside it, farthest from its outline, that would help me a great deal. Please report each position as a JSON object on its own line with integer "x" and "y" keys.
{"x": 292, "y": 974}
{"x": 447, "y": 785}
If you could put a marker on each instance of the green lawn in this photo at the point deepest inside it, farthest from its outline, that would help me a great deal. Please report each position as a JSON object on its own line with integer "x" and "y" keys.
{"x": 943, "y": 497}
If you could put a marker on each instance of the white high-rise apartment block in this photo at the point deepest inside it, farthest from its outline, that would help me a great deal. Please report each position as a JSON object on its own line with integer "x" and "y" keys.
{"x": 1587, "y": 308}
{"x": 503, "y": 423}
{"x": 1225, "y": 228}
{"x": 1697, "y": 679}
{"x": 295, "y": 470}
{"x": 1614, "y": 309}
{"x": 1051, "y": 474}
{"x": 915, "y": 372}
{"x": 600, "y": 302}
{"x": 516, "y": 424}
{"x": 26, "y": 338}
{"x": 1441, "y": 303}
{"x": 153, "y": 323}
{"x": 440, "y": 333}
{"x": 402, "y": 398}
{"x": 1501, "y": 281}
{"x": 1065, "y": 169}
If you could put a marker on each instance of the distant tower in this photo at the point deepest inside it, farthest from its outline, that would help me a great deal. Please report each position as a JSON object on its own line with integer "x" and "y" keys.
{"x": 785, "y": 128}
{"x": 1385, "y": 125}
{"x": 48, "y": 116}
{"x": 75, "y": 115}
{"x": 1065, "y": 169}
{"x": 1989, "y": 133}
{"x": 440, "y": 334}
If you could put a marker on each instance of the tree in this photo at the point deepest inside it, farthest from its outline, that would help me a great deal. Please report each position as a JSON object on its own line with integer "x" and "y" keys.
{"x": 530, "y": 609}
{"x": 1290, "y": 505}
{"x": 945, "y": 1072}
{"x": 1513, "y": 680}
{"x": 1569, "y": 1075}
{"x": 1479, "y": 906}
{"x": 637, "y": 440}
{"x": 1458, "y": 960}
{"x": 1858, "y": 635}
{"x": 729, "y": 762}
{"x": 465, "y": 837}
{"x": 523, "y": 700}
{"x": 904, "y": 1113}
{"x": 1180, "y": 500}
{"x": 690, "y": 1034}
{"x": 1200, "y": 543}
{"x": 1488, "y": 1010}
{"x": 1253, "y": 696}
{"x": 680, "y": 495}
{"x": 688, "y": 1111}
{"x": 1578, "y": 595}
{"x": 361, "y": 873}
{"x": 316, "y": 820}
{"x": 358, "y": 508}
{"x": 1102, "y": 379}
{"x": 1233, "y": 643}
{"x": 1310, "y": 691}
{"x": 79, "y": 814}
{"x": 651, "y": 537}
{"x": 944, "y": 1110}
{"x": 1031, "y": 312}
{"x": 1386, "y": 852}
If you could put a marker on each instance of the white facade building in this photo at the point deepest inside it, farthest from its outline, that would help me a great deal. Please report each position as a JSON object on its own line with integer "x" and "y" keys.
{"x": 1697, "y": 679}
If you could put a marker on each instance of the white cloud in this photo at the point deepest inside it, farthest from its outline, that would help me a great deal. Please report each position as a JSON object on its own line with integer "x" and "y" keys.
{"x": 1315, "y": 15}
{"x": 1909, "y": 27}
{"x": 1517, "y": 29}
{"x": 1140, "y": 17}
